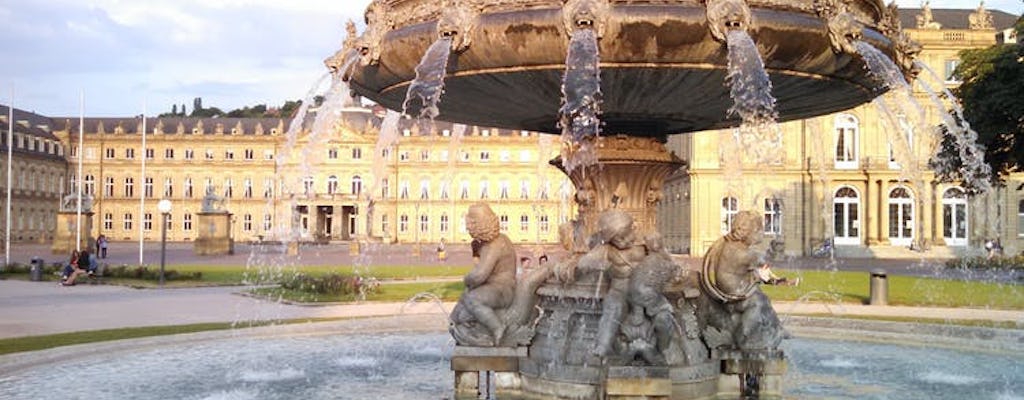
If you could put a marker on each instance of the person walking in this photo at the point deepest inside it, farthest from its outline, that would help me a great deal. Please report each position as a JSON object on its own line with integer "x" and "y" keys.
{"x": 101, "y": 246}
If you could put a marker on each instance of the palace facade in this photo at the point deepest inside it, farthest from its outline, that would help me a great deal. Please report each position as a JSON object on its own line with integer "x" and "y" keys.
{"x": 39, "y": 170}
{"x": 837, "y": 176}
{"x": 315, "y": 187}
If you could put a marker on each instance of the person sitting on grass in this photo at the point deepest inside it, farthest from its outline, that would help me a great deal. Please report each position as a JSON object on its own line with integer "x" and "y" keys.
{"x": 765, "y": 275}
{"x": 73, "y": 269}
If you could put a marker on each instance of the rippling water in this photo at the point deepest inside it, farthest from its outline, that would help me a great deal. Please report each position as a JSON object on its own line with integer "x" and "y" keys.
{"x": 416, "y": 366}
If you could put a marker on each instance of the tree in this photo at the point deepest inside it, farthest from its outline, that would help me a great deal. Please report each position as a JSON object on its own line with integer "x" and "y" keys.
{"x": 992, "y": 94}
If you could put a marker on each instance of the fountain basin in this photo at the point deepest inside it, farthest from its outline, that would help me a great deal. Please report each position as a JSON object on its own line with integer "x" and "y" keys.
{"x": 662, "y": 71}
{"x": 381, "y": 358}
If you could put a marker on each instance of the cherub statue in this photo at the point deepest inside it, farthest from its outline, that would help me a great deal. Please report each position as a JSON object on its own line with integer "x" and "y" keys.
{"x": 213, "y": 203}
{"x": 490, "y": 286}
{"x": 742, "y": 316}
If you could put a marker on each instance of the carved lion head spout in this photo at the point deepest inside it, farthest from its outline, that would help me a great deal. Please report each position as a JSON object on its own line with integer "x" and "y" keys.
{"x": 335, "y": 62}
{"x": 726, "y": 15}
{"x": 905, "y": 49}
{"x": 458, "y": 21}
{"x": 378, "y": 23}
{"x": 585, "y": 14}
{"x": 843, "y": 27}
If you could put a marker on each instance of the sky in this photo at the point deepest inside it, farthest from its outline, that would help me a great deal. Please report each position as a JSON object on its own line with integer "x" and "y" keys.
{"x": 128, "y": 57}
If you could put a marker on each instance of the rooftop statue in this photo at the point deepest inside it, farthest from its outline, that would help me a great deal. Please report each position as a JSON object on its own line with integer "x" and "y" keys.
{"x": 980, "y": 18}
{"x": 925, "y": 20}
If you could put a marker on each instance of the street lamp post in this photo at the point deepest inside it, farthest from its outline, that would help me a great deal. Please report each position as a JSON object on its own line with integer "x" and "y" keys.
{"x": 165, "y": 209}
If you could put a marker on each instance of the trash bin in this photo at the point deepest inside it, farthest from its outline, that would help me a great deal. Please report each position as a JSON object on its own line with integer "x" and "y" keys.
{"x": 35, "y": 272}
{"x": 879, "y": 288}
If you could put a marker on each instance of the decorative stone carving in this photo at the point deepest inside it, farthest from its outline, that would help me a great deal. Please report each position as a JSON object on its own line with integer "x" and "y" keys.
{"x": 843, "y": 27}
{"x": 335, "y": 62}
{"x": 458, "y": 22}
{"x": 495, "y": 310}
{"x": 725, "y": 15}
{"x": 378, "y": 23}
{"x": 925, "y": 19}
{"x": 586, "y": 14}
{"x": 70, "y": 203}
{"x": 213, "y": 204}
{"x": 980, "y": 18}
{"x": 739, "y": 316}
{"x": 905, "y": 49}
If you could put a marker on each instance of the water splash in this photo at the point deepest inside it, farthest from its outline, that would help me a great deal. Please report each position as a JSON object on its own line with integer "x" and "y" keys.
{"x": 821, "y": 152}
{"x": 976, "y": 173}
{"x": 581, "y": 101}
{"x": 751, "y": 91}
{"x": 904, "y": 121}
{"x": 427, "y": 88}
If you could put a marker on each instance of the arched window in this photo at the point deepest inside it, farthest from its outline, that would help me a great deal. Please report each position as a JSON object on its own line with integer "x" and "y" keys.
{"x": 901, "y": 217}
{"x": 357, "y": 185}
{"x": 729, "y": 209}
{"x": 954, "y": 217}
{"x": 846, "y": 141}
{"x": 332, "y": 184}
{"x": 773, "y": 216}
{"x": 846, "y": 214}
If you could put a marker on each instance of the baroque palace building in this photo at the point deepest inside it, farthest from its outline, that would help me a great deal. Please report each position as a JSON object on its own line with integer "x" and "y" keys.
{"x": 838, "y": 177}
{"x": 38, "y": 170}
{"x": 315, "y": 187}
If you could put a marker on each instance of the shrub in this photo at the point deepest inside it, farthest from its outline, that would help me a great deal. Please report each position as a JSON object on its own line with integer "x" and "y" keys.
{"x": 145, "y": 273}
{"x": 1011, "y": 262}
{"x": 331, "y": 284}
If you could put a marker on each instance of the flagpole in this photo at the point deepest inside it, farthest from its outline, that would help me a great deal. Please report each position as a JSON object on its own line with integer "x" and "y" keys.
{"x": 10, "y": 160}
{"x": 78, "y": 181}
{"x": 142, "y": 193}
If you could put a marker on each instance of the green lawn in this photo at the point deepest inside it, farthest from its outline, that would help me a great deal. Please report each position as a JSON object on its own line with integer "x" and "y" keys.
{"x": 903, "y": 290}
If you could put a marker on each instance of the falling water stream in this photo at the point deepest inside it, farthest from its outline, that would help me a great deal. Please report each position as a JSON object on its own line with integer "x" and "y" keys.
{"x": 581, "y": 101}
{"x": 427, "y": 88}
{"x": 751, "y": 91}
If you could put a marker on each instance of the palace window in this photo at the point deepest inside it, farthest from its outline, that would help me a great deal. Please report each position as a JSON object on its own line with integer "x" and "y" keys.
{"x": 464, "y": 190}
{"x": 168, "y": 188}
{"x": 385, "y": 188}
{"x": 229, "y": 154}
{"x": 110, "y": 153}
{"x": 150, "y": 154}
{"x": 128, "y": 221}
{"x": 332, "y": 184}
{"x": 503, "y": 223}
{"x": 544, "y": 224}
{"x": 444, "y": 190}
{"x": 772, "y": 216}
{"x": 357, "y": 153}
{"x": 147, "y": 222}
{"x": 846, "y": 138}
{"x": 485, "y": 156}
{"x": 524, "y": 189}
{"x": 229, "y": 188}
{"x": 357, "y": 185}
{"x": 108, "y": 221}
{"x": 186, "y": 223}
{"x": 189, "y": 154}
{"x": 444, "y": 223}
{"x": 424, "y": 189}
{"x": 268, "y": 188}
{"x": 188, "y": 188}
{"x": 108, "y": 187}
{"x": 129, "y": 187}
{"x": 268, "y": 222}
{"x": 247, "y": 188}
{"x": 504, "y": 189}
{"x": 424, "y": 155}
{"x": 483, "y": 190}
{"x": 209, "y": 154}
{"x": 424, "y": 223}
{"x": 729, "y": 209}
{"x": 524, "y": 222}
{"x": 384, "y": 224}
{"x": 332, "y": 153}
{"x": 129, "y": 153}
{"x": 403, "y": 190}
{"x": 148, "y": 187}
{"x": 247, "y": 223}
{"x": 250, "y": 154}
{"x": 90, "y": 185}
{"x": 169, "y": 154}
{"x": 307, "y": 185}
{"x": 403, "y": 223}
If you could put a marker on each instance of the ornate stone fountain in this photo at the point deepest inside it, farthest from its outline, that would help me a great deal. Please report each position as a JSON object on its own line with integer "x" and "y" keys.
{"x": 616, "y": 318}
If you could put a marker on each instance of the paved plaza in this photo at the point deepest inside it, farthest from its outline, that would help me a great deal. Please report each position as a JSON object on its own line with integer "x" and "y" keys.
{"x": 37, "y": 308}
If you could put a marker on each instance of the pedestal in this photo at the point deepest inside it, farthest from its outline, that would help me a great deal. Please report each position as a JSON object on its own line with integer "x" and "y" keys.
{"x": 214, "y": 235}
{"x": 499, "y": 366}
{"x": 67, "y": 230}
{"x": 751, "y": 373}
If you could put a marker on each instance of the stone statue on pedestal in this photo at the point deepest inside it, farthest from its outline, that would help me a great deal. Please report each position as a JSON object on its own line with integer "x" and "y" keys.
{"x": 739, "y": 315}
{"x": 494, "y": 310}
{"x": 70, "y": 203}
{"x": 213, "y": 203}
